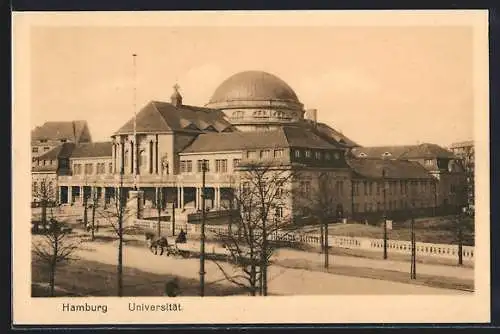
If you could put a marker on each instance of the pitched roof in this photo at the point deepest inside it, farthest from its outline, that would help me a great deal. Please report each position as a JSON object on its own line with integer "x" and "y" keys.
{"x": 467, "y": 143}
{"x": 159, "y": 116}
{"x": 71, "y": 130}
{"x": 422, "y": 151}
{"x": 394, "y": 169}
{"x": 330, "y": 133}
{"x": 286, "y": 136}
{"x": 59, "y": 152}
{"x": 93, "y": 150}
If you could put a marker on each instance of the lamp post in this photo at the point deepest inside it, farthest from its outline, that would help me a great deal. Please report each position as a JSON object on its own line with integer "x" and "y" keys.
{"x": 384, "y": 216}
{"x": 413, "y": 271}
{"x": 202, "y": 235}
{"x": 460, "y": 235}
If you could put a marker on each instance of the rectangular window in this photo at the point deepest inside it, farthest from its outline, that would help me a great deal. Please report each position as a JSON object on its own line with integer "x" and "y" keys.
{"x": 317, "y": 155}
{"x": 182, "y": 166}
{"x": 34, "y": 150}
{"x": 327, "y": 156}
{"x": 356, "y": 207}
{"x": 251, "y": 154}
{"x": 89, "y": 169}
{"x": 279, "y": 212}
{"x": 265, "y": 154}
{"x": 305, "y": 187}
{"x": 297, "y": 153}
{"x": 43, "y": 140}
{"x": 355, "y": 188}
{"x": 366, "y": 207}
{"x": 279, "y": 153}
{"x": 428, "y": 162}
{"x": 189, "y": 166}
{"x": 46, "y": 148}
{"x": 365, "y": 186}
{"x": 221, "y": 166}
{"x": 236, "y": 163}
{"x": 63, "y": 140}
{"x": 110, "y": 170}
{"x": 308, "y": 153}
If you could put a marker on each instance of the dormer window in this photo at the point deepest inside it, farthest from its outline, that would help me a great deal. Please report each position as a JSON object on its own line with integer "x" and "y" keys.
{"x": 43, "y": 140}
{"x": 362, "y": 155}
{"x": 64, "y": 140}
{"x": 386, "y": 154}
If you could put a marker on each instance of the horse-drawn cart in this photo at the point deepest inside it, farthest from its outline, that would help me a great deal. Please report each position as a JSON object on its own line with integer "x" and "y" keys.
{"x": 156, "y": 243}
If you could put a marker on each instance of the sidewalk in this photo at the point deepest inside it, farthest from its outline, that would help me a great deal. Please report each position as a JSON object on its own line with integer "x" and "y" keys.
{"x": 306, "y": 259}
{"x": 282, "y": 255}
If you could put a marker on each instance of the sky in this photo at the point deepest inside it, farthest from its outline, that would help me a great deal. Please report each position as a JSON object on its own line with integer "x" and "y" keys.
{"x": 378, "y": 85}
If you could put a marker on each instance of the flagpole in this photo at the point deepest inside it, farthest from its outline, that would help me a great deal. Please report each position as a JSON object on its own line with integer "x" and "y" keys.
{"x": 136, "y": 145}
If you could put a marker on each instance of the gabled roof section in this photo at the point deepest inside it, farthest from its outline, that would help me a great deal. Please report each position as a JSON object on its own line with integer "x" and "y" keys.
{"x": 394, "y": 169}
{"x": 159, "y": 116}
{"x": 300, "y": 137}
{"x": 427, "y": 150}
{"x": 329, "y": 133}
{"x": 62, "y": 151}
{"x": 75, "y": 131}
{"x": 93, "y": 150}
{"x": 421, "y": 151}
{"x": 284, "y": 137}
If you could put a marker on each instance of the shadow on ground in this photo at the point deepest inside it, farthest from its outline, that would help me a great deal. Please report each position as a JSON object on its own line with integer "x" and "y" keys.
{"x": 90, "y": 278}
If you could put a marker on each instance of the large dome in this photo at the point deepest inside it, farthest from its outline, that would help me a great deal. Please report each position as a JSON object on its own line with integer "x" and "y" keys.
{"x": 253, "y": 86}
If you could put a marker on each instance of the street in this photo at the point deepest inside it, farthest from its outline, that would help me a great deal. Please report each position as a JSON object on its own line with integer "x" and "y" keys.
{"x": 282, "y": 281}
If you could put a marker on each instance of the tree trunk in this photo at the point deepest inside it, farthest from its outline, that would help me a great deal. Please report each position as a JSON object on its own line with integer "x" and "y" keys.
{"x": 93, "y": 219}
{"x": 263, "y": 268}
{"x": 44, "y": 212}
{"x": 326, "y": 245}
{"x": 120, "y": 245}
{"x": 322, "y": 237}
{"x": 53, "y": 266}
{"x": 85, "y": 215}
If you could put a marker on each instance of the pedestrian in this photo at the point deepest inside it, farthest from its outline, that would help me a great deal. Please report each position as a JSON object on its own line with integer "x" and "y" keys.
{"x": 172, "y": 288}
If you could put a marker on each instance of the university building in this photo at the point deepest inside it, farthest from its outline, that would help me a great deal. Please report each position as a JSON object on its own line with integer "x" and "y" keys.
{"x": 252, "y": 116}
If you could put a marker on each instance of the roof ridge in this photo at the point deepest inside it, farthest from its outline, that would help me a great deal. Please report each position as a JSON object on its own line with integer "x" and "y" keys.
{"x": 158, "y": 111}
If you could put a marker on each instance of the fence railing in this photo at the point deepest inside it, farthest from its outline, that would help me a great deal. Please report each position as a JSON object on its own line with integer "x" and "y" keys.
{"x": 367, "y": 244}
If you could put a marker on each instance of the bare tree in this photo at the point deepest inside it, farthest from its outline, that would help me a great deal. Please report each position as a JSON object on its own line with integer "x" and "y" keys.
{"x": 116, "y": 215}
{"x": 260, "y": 200}
{"x": 44, "y": 195}
{"x": 56, "y": 247}
{"x": 320, "y": 200}
{"x": 95, "y": 204}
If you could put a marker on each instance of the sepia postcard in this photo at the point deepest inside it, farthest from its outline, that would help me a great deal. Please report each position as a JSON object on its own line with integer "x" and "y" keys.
{"x": 250, "y": 167}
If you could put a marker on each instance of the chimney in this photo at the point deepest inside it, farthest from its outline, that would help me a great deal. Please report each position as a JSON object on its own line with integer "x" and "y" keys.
{"x": 312, "y": 115}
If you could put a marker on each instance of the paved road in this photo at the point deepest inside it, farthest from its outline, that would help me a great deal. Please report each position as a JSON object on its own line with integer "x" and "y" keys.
{"x": 282, "y": 281}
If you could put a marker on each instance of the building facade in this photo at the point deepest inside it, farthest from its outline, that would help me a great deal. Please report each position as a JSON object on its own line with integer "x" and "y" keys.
{"x": 252, "y": 117}
{"x": 464, "y": 151}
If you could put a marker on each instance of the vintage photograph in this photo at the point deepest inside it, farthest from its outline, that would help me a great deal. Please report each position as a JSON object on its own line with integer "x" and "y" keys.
{"x": 272, "y": 160}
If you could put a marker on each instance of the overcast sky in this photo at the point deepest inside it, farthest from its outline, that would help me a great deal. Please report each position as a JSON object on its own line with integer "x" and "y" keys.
{"x": 378, "y": 85}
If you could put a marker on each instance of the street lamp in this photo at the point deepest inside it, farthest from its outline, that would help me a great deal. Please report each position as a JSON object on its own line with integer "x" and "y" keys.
{"x": 202, "y": 236}
{"x": 384, "y": 216}
{"x": 413, "y": 271}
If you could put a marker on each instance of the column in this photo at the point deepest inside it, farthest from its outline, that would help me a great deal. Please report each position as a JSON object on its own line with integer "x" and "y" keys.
{"x": 178, "y": 203}
{"x": 70, "y": 194}
{"x": 155, "y": 149}
{"x": 131, "y": 157}
{"x": 217, "y": 198}
{"x": 59, "y": 195}
{"x": 113, "y": 157}
{"x": 182, "y": 197}
{"x": 197, "y": 198}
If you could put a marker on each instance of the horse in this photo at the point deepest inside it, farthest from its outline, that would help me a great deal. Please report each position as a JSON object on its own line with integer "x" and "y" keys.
{"x": 156, "y": 242}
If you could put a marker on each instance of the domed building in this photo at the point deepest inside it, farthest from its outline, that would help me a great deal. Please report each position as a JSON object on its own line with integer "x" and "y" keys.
{"x": 251, "y": 116}
{"x": 256, "y": 100}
